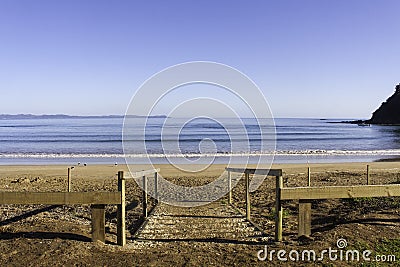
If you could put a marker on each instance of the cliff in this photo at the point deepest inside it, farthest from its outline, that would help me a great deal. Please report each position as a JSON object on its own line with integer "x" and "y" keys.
{"x": 389, "y": 111}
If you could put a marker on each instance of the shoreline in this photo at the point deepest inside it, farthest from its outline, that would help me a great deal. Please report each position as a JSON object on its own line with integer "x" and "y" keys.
{"x": 213, "y": 169}
{"x": 191, "y": 159}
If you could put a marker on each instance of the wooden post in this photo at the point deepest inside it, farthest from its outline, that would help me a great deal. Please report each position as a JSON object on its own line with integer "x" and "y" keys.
{"x": 304, "y": 218}
{"x": 121, "y": 234}
{"x": 229, "y": 188}
{"x": 309, "y": 176}
{"x": 278, "y": 209}
{"x": 156, "y": 186}
{"x": 69, "y": 180}
{"x": 98, "y": 223}
{"x": 144, "y": 196}
{"x": 247, "y": 178}
{"x": 367, "y": 174}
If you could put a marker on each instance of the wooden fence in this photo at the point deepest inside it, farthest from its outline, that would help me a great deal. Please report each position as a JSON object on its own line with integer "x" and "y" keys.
{"x": 277, "y": 173}
{"x": 97, "y": 200}
{"x": 306, "y": 195}
{"x": 144, "y": 176}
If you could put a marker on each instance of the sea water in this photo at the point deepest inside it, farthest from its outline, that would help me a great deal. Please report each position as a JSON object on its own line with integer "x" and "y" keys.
{"x": 99, "y": 140}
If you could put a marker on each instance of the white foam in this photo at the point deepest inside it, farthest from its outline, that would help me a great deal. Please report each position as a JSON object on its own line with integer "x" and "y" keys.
{"x": 390, "y": 152}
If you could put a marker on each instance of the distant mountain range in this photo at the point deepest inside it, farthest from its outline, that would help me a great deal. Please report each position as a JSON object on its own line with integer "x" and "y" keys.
{"x": 64, "y": 116}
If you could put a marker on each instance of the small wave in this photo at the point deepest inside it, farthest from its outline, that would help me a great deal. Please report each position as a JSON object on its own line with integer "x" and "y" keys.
{"x": 392, "y": 152}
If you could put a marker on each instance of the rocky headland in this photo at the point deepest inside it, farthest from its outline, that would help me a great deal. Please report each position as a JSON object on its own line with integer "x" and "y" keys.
{"x": 389, "y": 111}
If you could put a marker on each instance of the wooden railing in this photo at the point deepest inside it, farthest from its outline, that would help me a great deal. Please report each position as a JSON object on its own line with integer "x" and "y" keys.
{"x": 143, "y": 175}
{"x": 277, "y": 173}
{"x": 97, "y": 200}
{"x": 306, "y": 195}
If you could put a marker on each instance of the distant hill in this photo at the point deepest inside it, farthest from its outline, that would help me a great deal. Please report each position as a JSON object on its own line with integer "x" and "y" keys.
{"x": 389, "y": 112}
{"x": 64, "y": 116}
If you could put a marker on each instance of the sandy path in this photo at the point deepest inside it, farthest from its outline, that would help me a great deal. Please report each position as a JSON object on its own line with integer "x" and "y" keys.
{"x": 215, "y": 222}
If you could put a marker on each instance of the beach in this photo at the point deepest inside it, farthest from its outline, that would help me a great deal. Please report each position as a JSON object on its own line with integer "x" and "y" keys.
{"x": 61, "y": 235}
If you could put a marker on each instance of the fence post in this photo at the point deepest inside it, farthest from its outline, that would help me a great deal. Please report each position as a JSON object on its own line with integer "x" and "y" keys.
{"x": 69, "y": 180}
{"x": 144, "y": 196}
{"x": 98, "y": 223}
{"x": 229, "y": 188}
{"x": 278, "y": 209}
{"x": 156, "y": 186}
{"x": 304, "y": 217}
{"x": 309, "y": 176}
{"x": 247, "y": 178}
{"x": 121, "y": 235}
{"x": 367, "y": 174}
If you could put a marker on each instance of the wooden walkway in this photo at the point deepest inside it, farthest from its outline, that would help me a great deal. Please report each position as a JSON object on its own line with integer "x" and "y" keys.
{"x": 215, "y": 222}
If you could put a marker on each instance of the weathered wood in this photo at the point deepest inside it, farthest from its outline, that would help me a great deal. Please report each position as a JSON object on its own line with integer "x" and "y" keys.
{"x": 304, "y": 218}
{"x": 268, "y": 172}
{"x": 145, "y": 200}
{"x": 329, "y": 192}
{"x": 60, "y": 198}
{"x": 69, "y": 180}
{"x": 98, "y": 223}
{"x": 278, "y": 208}
{"x": 248, "y": 207}
{"x": 121, "y": 230}
{"x": 142, "y": 173}
{"x": 229, "y": 188}
{"x": 156, "y": 186}
{"x": 309, "y": 176}
{"x": 367, "y": 174}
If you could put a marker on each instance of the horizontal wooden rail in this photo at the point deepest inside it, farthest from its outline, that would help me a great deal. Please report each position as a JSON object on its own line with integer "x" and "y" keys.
{"x": 330, "y": 192}
{"x": 305, "y": 195}
{"x": 140, "y": 174}
{"x": 269, "y": 172}
{"x": 60, "y": 198}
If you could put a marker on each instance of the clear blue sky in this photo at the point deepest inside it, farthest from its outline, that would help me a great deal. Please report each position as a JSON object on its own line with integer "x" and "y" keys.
{"x": 318, "y": 58}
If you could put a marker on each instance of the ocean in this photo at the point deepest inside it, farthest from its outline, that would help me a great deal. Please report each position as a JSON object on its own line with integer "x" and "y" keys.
{"x": 99, "y": 140}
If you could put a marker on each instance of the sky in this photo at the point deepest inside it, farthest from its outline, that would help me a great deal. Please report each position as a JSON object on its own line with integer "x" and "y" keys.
{"x": 322, "y": 59}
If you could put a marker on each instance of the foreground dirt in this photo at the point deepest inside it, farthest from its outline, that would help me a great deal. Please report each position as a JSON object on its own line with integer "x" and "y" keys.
{"x": 215, "y": 234}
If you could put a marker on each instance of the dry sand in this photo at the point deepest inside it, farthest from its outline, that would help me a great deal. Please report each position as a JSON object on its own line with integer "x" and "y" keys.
{"x": 56, "y": 235}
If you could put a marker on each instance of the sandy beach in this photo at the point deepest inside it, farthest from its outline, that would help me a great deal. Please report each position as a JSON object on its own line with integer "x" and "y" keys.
{"x": 60, "y": 235}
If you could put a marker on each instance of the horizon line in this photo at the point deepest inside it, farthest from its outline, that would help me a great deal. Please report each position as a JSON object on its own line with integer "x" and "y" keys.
{"x": 27, "y": 115}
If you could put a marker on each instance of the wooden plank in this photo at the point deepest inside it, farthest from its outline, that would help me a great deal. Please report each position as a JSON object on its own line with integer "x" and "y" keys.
{"x": 145, "y": 199}
{"x": 142, "y": 173}
{"x": 229, "y": 188}
{"x": 98, "y": 223}
{"x": 248, "y": 207}
{"x": 304, "y": 218}
{"x": 121, "y": 229}
{"x": 268, "y": 172}
{"x": 60, "y": 198}
{"x": 156, "y": 186}
{"x": 329, "y": 192}
{"x": 278, "y": 209}
{"x": 69, "y": 180}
